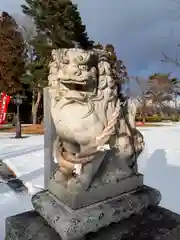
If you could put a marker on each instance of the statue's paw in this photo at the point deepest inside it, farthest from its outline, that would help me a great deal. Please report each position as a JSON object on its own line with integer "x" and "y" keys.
{"x": 74, "y": 184}
{"x": 60, "y": 178}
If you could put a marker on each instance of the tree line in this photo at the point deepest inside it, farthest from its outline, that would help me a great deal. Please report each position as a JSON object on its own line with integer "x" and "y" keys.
{"x": 158, "y": 94}
{"x": 26, "y": 51}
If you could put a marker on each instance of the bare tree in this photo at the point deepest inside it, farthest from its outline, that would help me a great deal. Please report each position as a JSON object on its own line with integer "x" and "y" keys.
{"x": 175, "y": 83}
{"x": 142, "y": 96}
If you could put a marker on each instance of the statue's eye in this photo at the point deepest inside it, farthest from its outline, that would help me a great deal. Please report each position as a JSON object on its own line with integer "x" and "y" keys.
{"x": 80, "y": 58}
{"x": 83, "y": 67}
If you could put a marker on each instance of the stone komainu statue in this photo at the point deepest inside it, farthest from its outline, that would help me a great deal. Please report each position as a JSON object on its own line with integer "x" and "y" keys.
{"x": 96, "y": 182}
{"x": 96, "y": 136}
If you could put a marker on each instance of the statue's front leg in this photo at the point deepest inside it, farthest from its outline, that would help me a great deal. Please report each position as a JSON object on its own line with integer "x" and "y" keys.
{"x": 76, "y": 173}
{"x": 65, "y": 168}
{"x": 89, "y": 170}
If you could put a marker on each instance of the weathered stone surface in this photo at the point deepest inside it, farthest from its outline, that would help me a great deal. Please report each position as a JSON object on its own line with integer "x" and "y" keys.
{"x": 95, "y": 194}
{"x": 154, "y": 224}
{"x": 101, "y": 139}
{"x": 29, "y": 226}
{"x": 74, "y": 224}
{"x": 96, "y": 178}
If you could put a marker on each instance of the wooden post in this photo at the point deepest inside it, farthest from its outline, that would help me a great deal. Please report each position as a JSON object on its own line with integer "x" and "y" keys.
{"x": 49, "y": 137}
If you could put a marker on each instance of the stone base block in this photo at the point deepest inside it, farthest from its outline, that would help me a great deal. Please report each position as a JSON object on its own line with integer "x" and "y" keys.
{"x": 155, "y": 223}
{"x": 96, "y": 193}
{"x": 73, "y": 224}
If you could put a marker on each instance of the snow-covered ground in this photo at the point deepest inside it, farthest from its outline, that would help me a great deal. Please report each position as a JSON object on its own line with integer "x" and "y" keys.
{"x": 160, "y": 164}
{"x": 25, "y": 158}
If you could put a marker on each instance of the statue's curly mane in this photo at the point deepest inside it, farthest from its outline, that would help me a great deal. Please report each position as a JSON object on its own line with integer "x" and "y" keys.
{"x": 99, "y": 65}
{"x": 107, "y": 90}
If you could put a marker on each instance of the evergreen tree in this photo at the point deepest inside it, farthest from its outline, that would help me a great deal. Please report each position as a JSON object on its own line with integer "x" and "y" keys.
{"x": 160, "y": 89}
{"x": 120, "y": 73}
{"x": 160, "y": 86}
{"x": 59, "y": 25}
{"x": 59, "y": 21}
{"x": 120, "y": 69}
{"x": 98, "y": 46}
{"x": 12, "y": 55}
{"x": 36, "y": 75}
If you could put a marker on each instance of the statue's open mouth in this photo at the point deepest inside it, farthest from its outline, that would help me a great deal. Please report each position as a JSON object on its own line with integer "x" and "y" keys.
{"x": 76, "y": 86}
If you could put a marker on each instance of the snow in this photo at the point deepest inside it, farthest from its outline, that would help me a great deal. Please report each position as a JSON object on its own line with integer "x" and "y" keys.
{"x": 159, "y": 162}
{"x": 25, "y": 157}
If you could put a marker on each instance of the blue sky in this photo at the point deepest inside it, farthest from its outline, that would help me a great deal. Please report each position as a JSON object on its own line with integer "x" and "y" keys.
{"x": 139, "y": 29}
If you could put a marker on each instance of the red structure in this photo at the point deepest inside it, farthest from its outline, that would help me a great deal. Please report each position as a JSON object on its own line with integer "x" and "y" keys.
{"x": 4, "y": 102}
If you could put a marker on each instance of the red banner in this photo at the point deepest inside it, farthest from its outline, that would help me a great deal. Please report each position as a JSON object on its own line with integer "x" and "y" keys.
{"x": 4, "y": 102}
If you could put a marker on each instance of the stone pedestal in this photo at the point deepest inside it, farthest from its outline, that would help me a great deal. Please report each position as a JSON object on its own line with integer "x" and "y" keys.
{"x": 154, "y": 224}
{"x": 96, "y": 193}
{"x": 74, "y": 224}
{"x": 131, "y": 215}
